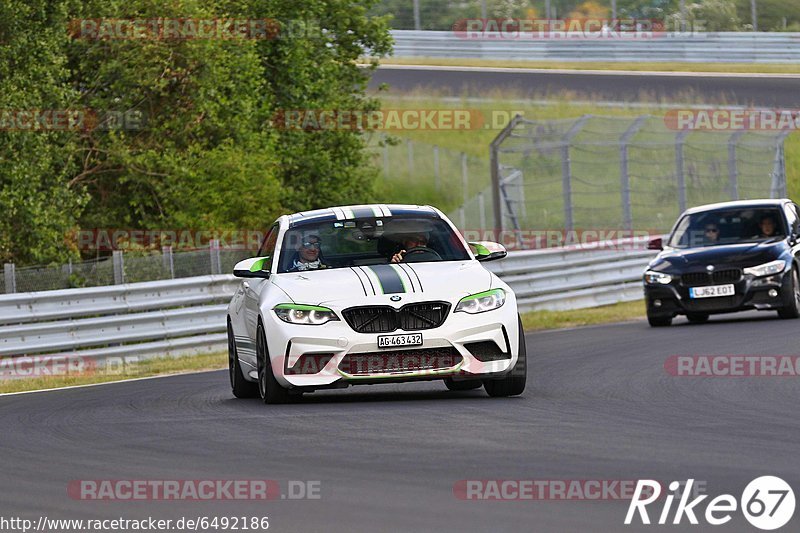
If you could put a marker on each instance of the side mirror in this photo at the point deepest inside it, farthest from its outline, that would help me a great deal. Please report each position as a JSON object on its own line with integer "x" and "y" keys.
{"x": 655, "y": 244}
{"x": 488, "y": 251}
{"x": 252, "y": 268}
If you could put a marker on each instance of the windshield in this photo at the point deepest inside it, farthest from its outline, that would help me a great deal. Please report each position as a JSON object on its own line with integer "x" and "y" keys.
{"x": 369, "y": 241}
{"x": 728, "y": 226}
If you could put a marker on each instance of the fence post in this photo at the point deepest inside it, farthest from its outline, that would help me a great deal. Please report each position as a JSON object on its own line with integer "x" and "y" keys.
{"x": 10, "y": 274}
{"x": 680, "y": 140}
{"x": 168, "y": 261}
{"x": 733, "y": 167}
{"x": 494, "y": 169}
{"x": 385, "y": 158}
{"x": 119, "y": 267}
{"x": 624, "y": 178}
{"x": 784, "y": 186}
{"x": 410, "y": 148}
{"x": 464, "y": 177}
{"x": 566, "y": 171}
{"x": 482, "y": 210}
{"x": 778, "y": 186}
{"x": 213, "y": 248}
{"x": 436, "y": 167}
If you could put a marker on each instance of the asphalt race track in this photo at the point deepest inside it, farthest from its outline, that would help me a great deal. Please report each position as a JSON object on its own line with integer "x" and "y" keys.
{"x": 744, "y": 90}
{"x": 599, "y": 406}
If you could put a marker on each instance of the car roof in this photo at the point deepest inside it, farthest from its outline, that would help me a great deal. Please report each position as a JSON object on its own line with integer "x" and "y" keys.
{"x": 349, "y": 212}
{"x": 766, "y": 202}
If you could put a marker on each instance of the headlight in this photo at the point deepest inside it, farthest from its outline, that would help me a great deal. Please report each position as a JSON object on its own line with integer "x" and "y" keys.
{"x": 312, "y": 315}
{"x": 483, "y": 301}
{"x": 652, "y": 277}
{"x": 767, "y": 269}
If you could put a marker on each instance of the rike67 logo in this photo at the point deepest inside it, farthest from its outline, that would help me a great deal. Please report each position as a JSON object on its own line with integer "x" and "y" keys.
{"x": 767, "y": 503}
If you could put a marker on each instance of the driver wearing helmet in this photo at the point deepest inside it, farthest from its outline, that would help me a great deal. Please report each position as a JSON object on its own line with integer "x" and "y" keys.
{"x": 308, "y": 255}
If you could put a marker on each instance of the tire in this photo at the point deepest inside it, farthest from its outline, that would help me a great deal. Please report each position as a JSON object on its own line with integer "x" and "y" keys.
{"x": 792, "y": 309}
{"x": 239, "y": 385}
{"x": 697, "y": 318}
{"x": 268, "y": 387}
{"x": 659, "y": 321}
{"x": 471, "y": 384}
{"x": 514, "y": 383}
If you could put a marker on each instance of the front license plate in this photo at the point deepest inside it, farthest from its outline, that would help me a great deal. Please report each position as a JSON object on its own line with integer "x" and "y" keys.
{"x": 712, "y": 291}
{"x": 394, "y": 341}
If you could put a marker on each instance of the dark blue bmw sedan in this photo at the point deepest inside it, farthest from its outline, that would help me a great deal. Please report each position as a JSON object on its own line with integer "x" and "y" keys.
{"x": 726, "y": 257}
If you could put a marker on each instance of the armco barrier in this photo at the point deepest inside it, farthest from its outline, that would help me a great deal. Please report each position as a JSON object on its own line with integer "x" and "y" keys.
{"x": 187, "y": 315}
{"x": 731, "y": 47}
{"x": 169, "y": 317}
{"x": 574, "y": 278}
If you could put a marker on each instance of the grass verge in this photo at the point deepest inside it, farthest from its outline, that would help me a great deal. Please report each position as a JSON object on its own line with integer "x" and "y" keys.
{"x": 621, "y": 312}
{"x": 740, "y": 68}
{"x": 140, "y": 369}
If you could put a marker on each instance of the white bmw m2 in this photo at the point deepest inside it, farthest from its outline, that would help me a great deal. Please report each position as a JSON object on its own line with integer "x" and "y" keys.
{"x": 372, "y": 294}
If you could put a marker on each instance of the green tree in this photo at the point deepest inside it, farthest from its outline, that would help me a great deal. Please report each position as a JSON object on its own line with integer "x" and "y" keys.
{"x": 206, "y": 154}
{"x": 38, "y": 202}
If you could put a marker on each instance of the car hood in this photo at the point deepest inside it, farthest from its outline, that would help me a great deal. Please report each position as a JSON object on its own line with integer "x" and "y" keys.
{"x": 734, "y": 255}
{"x": 376, "y": 284}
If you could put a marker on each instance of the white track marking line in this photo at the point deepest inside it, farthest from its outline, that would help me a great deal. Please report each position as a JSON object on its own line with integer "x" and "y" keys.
{"x": 109, "y": 382}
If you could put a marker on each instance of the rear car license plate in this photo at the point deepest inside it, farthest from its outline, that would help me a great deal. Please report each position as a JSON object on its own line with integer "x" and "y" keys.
{"x": 712, "y": 291}
{"x": 395, "y": 341}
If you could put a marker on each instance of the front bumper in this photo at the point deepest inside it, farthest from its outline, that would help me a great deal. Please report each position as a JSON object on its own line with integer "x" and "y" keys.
{"x": 288, "y": 342}
{"x": 750, "y": 293}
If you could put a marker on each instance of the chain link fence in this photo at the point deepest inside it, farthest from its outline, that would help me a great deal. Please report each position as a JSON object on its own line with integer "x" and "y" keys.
{"x": 596, "y": 172}
{"x": 443, "y": 14}
{"x": 122, "y": 268}
{"x": 420, "y": 173}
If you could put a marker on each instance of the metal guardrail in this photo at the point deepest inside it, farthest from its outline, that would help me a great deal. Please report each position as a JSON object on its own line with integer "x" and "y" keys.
{"x": 573, "y": 278}
{"x": 169, "y": 317}
{"x": 732, "y": 47}
{"x": 173, "y": 317}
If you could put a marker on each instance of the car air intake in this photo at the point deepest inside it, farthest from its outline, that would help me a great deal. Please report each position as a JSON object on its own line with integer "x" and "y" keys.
{"x": 384, "y": 319}
{"x": 365, "y": 364}
{"x": 309, "y": 363}
{"x": 486, "y": 351}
